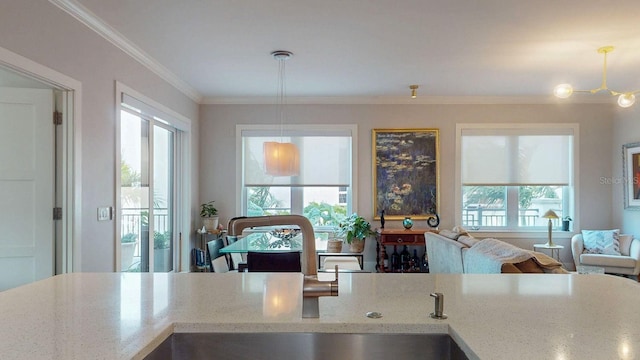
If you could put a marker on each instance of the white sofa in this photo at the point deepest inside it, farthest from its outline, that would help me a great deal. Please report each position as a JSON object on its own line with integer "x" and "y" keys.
{"x": 628, "y": 263}
{"x": 459, "y": 254}
{"x": 446, "y": 256}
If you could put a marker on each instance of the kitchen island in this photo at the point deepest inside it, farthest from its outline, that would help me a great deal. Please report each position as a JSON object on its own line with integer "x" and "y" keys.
{"x": 125, "y": 316}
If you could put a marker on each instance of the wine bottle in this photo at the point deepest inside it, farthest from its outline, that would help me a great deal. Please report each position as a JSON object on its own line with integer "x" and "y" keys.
{"x": 424, "y": 266}
{"x": 395, "y": 259}
{"x": 405, "y": 258}
{"x": 415, "y": 266}
{"x": 385, "y": 261}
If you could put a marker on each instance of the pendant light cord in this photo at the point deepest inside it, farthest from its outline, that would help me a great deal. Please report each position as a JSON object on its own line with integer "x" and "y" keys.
{"x": 282, "y": 89}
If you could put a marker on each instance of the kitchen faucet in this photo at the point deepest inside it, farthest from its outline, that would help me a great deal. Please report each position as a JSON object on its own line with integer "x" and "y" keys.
{"x": 312, "y": 288}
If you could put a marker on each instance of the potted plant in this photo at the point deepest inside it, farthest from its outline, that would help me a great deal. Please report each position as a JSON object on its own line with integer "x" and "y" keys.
{"x": 565, "y": 223}
{"x": 355, "y": 230}
{"x": 161, "y": 250}
{"x": 209, "y": 216}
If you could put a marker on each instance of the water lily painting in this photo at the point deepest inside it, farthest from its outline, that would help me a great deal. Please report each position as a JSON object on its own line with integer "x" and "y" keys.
{"x": 405, "y": 173}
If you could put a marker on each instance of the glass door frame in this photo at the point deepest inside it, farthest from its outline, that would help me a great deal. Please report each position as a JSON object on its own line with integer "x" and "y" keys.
{"x": 181, "y": 204}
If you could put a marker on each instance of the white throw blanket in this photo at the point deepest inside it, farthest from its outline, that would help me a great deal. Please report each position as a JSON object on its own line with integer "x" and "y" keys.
{"x": 488, "y": 255}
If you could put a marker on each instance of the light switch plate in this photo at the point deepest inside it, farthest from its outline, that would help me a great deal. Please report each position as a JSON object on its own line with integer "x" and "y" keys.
{"x": 104, "y": 213}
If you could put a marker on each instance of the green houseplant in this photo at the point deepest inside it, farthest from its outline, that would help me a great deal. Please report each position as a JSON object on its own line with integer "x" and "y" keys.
{"x": 209, "y": 215}
{"x": 162, "y": 250}
{"x": 565, "y": 223}
{"x": 355, "y": 230}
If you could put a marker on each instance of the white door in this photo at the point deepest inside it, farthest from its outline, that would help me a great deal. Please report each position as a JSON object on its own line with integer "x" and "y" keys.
{"x": 26, "y": 186}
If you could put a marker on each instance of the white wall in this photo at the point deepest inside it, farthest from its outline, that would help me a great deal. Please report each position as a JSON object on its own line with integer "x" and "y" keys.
{"x": 47, "y": 35}
{"x": 217, "y": 148}
{"x": 627, "y": 130}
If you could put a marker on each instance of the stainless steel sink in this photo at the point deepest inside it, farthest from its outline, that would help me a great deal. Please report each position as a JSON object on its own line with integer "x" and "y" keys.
{"x": 240, "y": 346}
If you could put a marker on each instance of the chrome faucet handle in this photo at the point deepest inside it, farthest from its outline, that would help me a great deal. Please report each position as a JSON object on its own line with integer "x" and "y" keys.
{"x": 438, "y": 306}
{"x": 336, "y": 267}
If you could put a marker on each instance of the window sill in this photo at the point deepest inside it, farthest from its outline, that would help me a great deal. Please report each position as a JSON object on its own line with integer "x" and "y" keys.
{"x": 521, "y": 234}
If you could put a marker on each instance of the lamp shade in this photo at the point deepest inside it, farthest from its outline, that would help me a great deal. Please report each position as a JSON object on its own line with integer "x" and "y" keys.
{"x": 281, "y": 159}
{"x": 550, "y": 214}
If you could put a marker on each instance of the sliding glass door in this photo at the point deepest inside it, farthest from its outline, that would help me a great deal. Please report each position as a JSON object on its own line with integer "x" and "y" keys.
{"x": 147, "y": 188}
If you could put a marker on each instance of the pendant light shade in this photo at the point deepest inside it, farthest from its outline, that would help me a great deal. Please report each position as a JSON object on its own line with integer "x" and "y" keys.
{"x": 281, "y": 159}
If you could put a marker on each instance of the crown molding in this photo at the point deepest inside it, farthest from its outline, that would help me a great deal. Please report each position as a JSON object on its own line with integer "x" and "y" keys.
{"x": 93, "y": 22}
{"x": 406, "y": 100}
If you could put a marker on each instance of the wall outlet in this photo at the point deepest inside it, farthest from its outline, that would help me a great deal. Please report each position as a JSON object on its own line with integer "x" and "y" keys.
{"x": 104, "y": 213}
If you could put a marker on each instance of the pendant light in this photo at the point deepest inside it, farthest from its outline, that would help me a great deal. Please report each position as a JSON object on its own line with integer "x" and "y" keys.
{"x": 625, "y": 98}
{"x": 280, "y": 158}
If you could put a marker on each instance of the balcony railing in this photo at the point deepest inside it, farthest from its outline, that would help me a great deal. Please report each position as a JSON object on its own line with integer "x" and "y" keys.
{"x": 477, "y": 217}
{"x": 132, "y": 222}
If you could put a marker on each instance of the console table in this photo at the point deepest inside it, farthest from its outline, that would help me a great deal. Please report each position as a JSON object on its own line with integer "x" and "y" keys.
{"x": 397, "y": 237}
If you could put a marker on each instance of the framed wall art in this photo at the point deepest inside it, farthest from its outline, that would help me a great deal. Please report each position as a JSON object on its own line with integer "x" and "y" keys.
{"x": 405, "y": 173}
{"x": 631, "y": 175}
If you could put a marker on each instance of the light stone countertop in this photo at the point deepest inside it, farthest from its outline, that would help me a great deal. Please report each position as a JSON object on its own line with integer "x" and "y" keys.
{"x": 124, "y": 316}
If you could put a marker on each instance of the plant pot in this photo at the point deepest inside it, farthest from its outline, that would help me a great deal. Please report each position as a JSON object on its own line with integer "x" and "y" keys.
{"x": 126, "y": 255}
{"x": 334, "y": 246}
{"x": 210, "y": 223}
{"x": 565, "y": 225}
{"x": 357, "y": 245}
{"x": 162, "y": 260}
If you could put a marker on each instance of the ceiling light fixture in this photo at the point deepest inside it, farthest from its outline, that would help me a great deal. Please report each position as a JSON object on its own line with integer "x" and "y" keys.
{"x": 280, "y": 158}
{"x": 414, "y": 91}
{"x": 625, "y": 98}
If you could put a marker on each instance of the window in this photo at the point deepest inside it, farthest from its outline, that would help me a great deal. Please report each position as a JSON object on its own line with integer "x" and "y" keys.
{"x": 323, "y": 192}
{"x": 510, "y": 175}
{"x": 150, "y": 152}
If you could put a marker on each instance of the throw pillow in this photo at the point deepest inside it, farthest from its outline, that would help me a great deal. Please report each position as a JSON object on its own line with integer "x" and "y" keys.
{"x": 449, "y": 234}
{"x": 601, "y": 241}
{"x": 625, "y": 244}
{"x": 460, "y": 230}
{"x": 529, "y": 266}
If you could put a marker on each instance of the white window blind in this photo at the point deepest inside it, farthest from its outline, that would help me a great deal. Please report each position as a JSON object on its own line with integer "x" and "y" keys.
{"x": 325, "y": 157}
{"x": 521, "y": 156}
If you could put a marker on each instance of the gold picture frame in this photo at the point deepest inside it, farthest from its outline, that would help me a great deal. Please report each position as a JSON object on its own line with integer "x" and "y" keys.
{"x": 406, "y": 173}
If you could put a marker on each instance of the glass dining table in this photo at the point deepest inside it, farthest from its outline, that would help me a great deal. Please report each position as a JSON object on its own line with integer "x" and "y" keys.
{"x": 266, "y": 242}
{"x": 260, "y": 241}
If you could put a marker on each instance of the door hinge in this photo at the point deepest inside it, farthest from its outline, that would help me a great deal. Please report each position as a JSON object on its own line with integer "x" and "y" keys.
{"x": 57, "y": 213}
{"x": 57, "y": 118}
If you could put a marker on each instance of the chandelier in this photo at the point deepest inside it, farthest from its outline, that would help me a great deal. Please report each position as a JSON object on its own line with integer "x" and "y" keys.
{"x": 281, "y": 158}
{"x": 625, "y": 98}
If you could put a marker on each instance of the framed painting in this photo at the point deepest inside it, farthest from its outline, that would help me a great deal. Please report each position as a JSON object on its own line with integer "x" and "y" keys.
{"x": 631, "y": 175}
{"x": 405, "y": 173}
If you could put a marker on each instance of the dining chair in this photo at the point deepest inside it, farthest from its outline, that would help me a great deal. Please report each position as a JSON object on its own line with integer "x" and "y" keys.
{"x": 219, "y": 264}
{"x": 273, "y": 261}
{"x": 343, "y": 262}
{"x": 213, "y": 248}
{"x": 237, "y": 261}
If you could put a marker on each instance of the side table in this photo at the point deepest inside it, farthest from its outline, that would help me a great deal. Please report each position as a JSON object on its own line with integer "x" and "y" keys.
{"x": 397, "y": 237}
{"x": 555, "y": 249}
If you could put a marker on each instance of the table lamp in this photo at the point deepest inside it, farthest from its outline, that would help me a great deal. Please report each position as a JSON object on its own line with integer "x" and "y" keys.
{"x": 550, "y": 214}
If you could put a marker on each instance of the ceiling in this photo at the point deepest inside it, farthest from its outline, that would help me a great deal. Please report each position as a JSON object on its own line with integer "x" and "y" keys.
{"x": 220, "y": 49}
